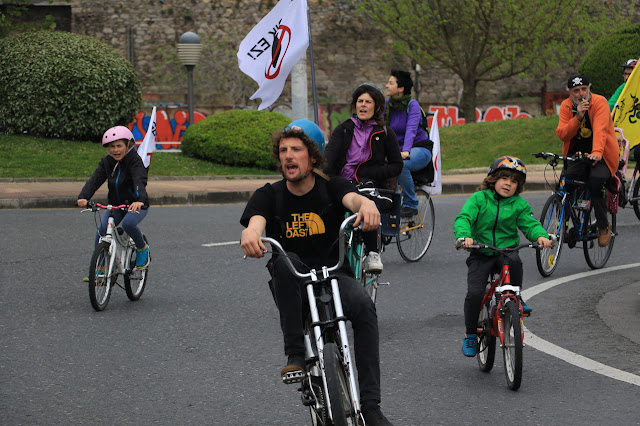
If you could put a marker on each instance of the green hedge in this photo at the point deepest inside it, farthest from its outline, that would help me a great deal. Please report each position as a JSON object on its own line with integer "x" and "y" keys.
{"x": 235, "y": 138}
{"x": 603, "y": 61}
{"x": 64, "y": 85}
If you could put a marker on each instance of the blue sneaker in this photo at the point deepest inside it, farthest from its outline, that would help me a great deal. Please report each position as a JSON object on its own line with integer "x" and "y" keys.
{"x": 526, "y": 309}
{"x": 469, "y": 345}
{"x": 142, "y": 257}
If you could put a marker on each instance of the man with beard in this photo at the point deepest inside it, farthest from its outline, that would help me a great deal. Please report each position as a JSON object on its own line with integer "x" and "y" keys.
{"x": 304, "y": 212}
{"x": 585, "y": 126}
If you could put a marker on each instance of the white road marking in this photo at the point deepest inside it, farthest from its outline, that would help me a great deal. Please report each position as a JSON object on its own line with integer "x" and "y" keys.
{"x": 226, "y": 243}
{"x": 568, "y": 356}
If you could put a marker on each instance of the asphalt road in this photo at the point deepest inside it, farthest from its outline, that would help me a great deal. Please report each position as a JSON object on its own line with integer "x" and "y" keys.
{"x": 203, "y": 344}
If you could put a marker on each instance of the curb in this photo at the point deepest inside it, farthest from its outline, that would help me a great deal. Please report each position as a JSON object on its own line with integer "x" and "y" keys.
{"x": 194, "y": 198}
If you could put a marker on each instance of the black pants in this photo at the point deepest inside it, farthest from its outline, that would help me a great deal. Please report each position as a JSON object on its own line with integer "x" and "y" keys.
{"x": 293, "y": 305}
{"x": 480, "y": 267}
{"x": 595, "y": 176}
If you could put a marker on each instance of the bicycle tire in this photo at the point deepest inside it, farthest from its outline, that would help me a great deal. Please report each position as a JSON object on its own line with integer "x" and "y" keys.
{"x": 135, "y": 280}
{"x": 595, "y": 255}
{"x": 547, "y": 258}
{"x": 100, "y": 277}
{"x": 485, "y": 340}
{"x": 636, "y": 205}
{"x": 342, "y": 410}
{"x": 512, "y": 349}
{"x": 415, "y": 241}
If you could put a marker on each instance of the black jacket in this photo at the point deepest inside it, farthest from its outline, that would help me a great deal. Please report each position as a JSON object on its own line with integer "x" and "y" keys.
{"x": 127, "y": 180}
{"x": 385, "y": 161}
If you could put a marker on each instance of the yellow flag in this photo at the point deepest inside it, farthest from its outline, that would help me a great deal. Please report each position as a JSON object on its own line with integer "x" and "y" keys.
{"x": 627, "y": 115}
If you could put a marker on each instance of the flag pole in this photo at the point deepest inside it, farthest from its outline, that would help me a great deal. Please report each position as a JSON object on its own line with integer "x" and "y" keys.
{"x": 313, "y": 71}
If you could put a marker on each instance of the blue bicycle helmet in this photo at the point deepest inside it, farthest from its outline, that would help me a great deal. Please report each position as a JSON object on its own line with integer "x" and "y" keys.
{"x": 310, "y": 129}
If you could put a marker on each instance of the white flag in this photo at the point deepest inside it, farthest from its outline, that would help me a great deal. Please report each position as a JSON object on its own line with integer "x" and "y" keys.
{"x": 145, "y": 150}
{"x": 273, "y": 47}
{"x": 435, "y": 187}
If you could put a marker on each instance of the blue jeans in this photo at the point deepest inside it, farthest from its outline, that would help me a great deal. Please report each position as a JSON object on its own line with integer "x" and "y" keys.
{"x": 128, "y": 221}
{"x": 419, "y": 159}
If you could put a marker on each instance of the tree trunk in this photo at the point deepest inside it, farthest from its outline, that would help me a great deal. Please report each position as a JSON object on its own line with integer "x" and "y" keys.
{"x": 468, "y": 101}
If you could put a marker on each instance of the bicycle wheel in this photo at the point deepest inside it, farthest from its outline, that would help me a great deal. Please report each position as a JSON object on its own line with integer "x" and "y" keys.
{"x": 485, "y": 340}
{"x": 512, "y": 349}
{"x": 342, "y": 409}
{"x": 636, "y": 205}
{"x": 100, "y": 277}
{"x": 135, "y": 279}
{"x": 547, "y": 258}
{"x": 416, "y": 232}
{"x": 595, "y": 255}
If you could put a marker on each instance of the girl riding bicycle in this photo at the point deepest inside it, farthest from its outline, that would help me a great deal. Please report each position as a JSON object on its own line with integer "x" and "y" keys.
{"x": 493, "y": 216}
{"x": 127, "y": 181}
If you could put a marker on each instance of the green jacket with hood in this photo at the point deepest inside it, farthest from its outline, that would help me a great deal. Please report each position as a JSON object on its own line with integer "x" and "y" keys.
{"x": 493, "y": 221}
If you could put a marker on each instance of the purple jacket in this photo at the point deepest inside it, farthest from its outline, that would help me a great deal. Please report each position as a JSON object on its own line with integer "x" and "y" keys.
{"x": 406, "y": 127}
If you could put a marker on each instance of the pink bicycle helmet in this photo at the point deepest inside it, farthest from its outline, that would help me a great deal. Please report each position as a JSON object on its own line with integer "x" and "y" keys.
{"x": 116, "y": 133}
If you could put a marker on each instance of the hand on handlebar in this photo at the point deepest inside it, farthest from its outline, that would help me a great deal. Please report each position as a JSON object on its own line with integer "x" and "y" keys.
{"x": 368, "y": 215}
{"x": 594, "y": 157}
{"x": 251, "y": 244}
{"x": 544, "y": 242}
{"x": 81, "y": 202}
{"x": 135, "y": 207}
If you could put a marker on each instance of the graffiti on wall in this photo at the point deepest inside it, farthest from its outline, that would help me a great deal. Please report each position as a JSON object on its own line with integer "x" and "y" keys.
{"x": 170, "y": 130}
{"x": 332, "y": 115}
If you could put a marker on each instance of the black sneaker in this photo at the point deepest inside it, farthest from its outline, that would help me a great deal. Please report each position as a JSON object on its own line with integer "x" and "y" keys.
{"x": 373, "y": 416}
{"x": 295, "y": 369}
{"x": 408, "y": 212}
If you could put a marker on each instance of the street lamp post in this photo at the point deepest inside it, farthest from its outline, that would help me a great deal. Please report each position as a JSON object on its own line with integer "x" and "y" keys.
{"x": 189, "y": 49}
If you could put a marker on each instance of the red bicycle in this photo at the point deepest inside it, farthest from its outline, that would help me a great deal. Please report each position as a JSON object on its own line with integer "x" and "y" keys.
{"x": 501, "y": 317}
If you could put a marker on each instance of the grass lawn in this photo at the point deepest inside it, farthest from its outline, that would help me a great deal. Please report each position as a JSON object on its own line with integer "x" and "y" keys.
{"x": 34, "y": 157}
{"x": 464, "y": 146}
{"x": 477, "y": 145}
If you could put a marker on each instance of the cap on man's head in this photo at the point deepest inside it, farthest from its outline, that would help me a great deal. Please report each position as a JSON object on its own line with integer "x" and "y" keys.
{"x": 631, "y": 63}
{"x": 577, "y": 80}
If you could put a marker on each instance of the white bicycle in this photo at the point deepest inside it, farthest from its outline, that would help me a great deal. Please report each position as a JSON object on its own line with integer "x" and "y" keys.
{"x": 329, "y": 388}
{"x": 114, "y": 255}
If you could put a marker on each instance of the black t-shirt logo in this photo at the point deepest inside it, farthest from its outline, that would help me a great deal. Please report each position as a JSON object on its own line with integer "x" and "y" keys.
{"x": 304, "y": 225}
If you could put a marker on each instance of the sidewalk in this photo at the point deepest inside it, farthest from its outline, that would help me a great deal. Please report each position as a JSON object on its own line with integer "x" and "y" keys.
{"x": 62, "y": 193}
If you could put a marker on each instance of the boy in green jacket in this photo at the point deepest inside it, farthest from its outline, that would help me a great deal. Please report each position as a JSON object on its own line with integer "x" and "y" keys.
{"x": 493, "y": 216}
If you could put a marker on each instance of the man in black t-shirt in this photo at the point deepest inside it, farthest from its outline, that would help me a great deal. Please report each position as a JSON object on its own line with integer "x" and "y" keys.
{"x": 303, "y": 212}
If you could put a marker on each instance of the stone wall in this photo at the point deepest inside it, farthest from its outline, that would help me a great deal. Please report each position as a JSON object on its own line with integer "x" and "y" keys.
{"x": 347, "y": 51}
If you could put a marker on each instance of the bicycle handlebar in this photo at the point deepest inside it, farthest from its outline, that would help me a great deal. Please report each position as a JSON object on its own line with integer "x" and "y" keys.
{"x": 555, "y": 157}
{"x": 94, "y": 207}
{"x": 476, "y": 245}
{"x": 310, "y": 274}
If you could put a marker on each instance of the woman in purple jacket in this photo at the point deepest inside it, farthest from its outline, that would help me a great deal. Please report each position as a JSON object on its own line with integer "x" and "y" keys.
{"x": 362, "y": 149}
{"x": 403, "y": 115}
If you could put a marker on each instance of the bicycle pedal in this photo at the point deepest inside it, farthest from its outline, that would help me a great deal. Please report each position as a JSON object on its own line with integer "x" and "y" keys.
{"x": 293, "y": 377}
{"x": 387, "y": 283}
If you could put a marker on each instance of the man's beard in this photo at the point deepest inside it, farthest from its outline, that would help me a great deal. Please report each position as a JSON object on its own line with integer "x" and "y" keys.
{"x": 577, "y": 100}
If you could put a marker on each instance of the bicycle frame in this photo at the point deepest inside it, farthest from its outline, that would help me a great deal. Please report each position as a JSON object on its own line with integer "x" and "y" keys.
{"x": 121, "y": 251}
{"x": 580, "y": 205}
{"x": 318, "y": 325}
{"x": 501, "y": 291}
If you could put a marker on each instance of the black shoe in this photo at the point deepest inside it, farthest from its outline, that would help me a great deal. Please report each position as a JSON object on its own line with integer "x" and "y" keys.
{"x": 408, "y": 212}
{"x": 373, "y": 416}
{"x": 295, "y": 369}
